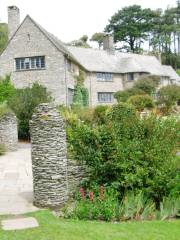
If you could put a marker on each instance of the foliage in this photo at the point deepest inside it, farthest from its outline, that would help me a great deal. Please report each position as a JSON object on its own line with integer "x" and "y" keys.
{"x": 140, "y": 102}
{"x": 100, "y": 114}
{"x": 81, "y": 97}
{"x": 103, "y": 203}
{"x": 131, "y": 26}
{"x": 169, "y": 95}
{"x": 4, "y": 109}
{"x": 98, "y": 37}
{"x": 128, "y": 151}
{"x": 23, "y": 103}
{"x": 3, "y": 36}
{"x": 81, "y": 42}
{"x": 147, "y": 84}
{"x": 123, "y": 95}
{"x": 6, "y": 89}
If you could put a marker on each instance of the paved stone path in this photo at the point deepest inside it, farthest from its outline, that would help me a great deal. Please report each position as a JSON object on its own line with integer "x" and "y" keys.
{"x": 19, "y": 223}
{"x": 16, "y": 188}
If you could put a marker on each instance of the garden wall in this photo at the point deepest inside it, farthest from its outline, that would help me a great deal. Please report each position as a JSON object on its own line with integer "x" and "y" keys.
{"x": 8, "y": 131}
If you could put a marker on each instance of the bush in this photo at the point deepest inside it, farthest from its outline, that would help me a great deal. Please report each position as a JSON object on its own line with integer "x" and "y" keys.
{"x": 147, "y": 84}
{"x": 140, "y": 102}
{"x": 23, "y": 103}
{"x": 7, "y": 90}
{"x": 4, "y": 109}
{"x": 123, "y": 95}
{"x": 128, "y": 152}
{"x": 169, "y": 96}
{"x": 100, "y": 114}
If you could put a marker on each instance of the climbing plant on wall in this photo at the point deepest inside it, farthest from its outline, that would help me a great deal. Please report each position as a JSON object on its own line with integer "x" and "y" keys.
{"x": 80, "y": 98}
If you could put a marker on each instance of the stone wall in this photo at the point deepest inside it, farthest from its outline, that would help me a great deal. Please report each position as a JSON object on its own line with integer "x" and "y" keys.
{"x": 76, "y": 172}
{"x": 49, "y": 161}
{"x": 8, "y": 131}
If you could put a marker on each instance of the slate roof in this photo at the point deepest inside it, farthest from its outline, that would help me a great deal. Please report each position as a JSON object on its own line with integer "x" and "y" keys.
{"x": 171, "y": 73}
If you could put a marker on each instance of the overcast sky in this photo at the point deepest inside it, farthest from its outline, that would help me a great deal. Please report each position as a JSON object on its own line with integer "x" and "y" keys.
{"x": 70, "y": 19}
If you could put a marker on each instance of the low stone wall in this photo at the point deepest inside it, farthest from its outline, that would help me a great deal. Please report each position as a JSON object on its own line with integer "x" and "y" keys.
{"x": 75, "y": 174}
{"x": 8, "y": 131}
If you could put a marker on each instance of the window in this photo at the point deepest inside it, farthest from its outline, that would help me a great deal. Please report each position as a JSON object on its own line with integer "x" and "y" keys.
{"x": 104, "y": 77}
{"x": 130, "y": 76}
{"x": 70, "y": 66}
{"x": 105, "y": 97}
{"x": 70, "y": 96}
{"x": 30, "y": 63}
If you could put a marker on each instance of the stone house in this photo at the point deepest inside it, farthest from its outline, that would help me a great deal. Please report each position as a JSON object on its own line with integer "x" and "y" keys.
{"x": 33, "y": 54}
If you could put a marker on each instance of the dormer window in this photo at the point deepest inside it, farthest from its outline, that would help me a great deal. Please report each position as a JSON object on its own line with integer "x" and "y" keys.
{"x": 30, "y": 63}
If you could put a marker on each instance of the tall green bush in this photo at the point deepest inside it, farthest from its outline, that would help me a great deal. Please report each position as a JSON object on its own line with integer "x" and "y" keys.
{"x": 23, "y": 103}
{"x": 128, "y": 152}
{"x": 7, "y": 89}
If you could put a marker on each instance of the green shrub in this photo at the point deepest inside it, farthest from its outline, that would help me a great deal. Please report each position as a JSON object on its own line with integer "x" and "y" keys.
{"x": 100, "y": 114}
{"x": 123, "y": 95}
{"x": 4, "y": 109}
{"x": 169, "y": 96}
{"x": 129, "y": 152}
{"x": 140, "y": 102}
{"x": 23, "y": 103}
{"x": 147, "y": 84}
{"x": 7, "y": 90}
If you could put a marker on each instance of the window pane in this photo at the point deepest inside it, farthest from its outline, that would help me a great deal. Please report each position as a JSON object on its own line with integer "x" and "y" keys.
{"x": 105, "y": 97}
{"x": 30, "y": 63}
{"x": 105, "y": 77}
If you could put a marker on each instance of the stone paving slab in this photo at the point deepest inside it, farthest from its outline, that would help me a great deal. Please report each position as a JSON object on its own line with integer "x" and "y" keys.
{"x": 16, "y": 184}
{"x": 19, "y": 223}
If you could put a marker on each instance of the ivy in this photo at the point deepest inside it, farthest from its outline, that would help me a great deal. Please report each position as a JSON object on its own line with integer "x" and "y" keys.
{"x": 81, "y": 95}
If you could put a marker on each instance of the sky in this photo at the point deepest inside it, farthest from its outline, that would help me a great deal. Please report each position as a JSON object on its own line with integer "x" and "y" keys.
{"x": 70, "y": 19}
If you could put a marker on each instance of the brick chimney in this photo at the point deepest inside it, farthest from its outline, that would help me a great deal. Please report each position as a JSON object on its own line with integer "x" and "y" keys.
{"x": 108, "y": 44}
{"x": 13, "y": 20}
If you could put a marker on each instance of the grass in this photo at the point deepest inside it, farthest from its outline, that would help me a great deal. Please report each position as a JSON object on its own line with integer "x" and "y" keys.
{"x": 52, "y": 228}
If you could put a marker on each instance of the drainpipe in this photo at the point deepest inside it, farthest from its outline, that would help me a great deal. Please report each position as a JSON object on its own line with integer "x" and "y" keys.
{"x": 65, "y": 78}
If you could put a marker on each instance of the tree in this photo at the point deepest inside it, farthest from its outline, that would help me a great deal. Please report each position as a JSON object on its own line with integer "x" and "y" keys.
{"x": 131, "y": 26}
{"x": 98, "y": 37}
{"x": 23, "y": 103}
{"x": 81, "y": 42}
{"x": 3, "y": 36}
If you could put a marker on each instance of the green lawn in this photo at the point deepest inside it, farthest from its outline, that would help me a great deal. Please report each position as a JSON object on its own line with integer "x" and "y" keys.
{"x": 51, "y": 228}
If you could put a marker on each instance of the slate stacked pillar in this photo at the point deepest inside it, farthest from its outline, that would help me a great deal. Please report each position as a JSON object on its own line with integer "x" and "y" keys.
{"x": 49, "y": 157}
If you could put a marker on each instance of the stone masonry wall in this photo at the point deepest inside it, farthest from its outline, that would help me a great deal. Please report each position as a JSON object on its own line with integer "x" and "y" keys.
{"x": 49, "y": 161}
{"x": 8, "y": 131}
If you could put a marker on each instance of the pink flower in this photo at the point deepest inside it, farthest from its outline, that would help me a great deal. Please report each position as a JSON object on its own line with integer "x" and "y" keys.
{"x": 82, "y": 193}
{"x": 91, "y": 196}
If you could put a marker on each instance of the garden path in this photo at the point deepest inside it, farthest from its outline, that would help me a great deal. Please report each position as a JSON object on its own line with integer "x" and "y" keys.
{"x": 16, "y": 187}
